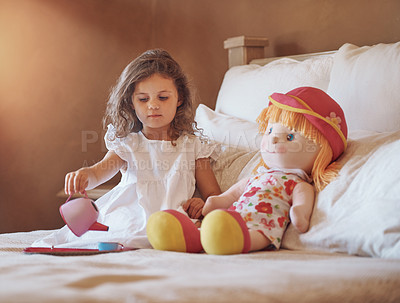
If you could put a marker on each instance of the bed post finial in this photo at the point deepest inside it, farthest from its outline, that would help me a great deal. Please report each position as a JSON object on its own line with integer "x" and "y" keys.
{"x": 243, "y": 49}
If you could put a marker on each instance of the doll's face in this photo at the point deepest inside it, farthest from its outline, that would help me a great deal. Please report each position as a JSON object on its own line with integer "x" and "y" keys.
{"x": 283, "y": 148}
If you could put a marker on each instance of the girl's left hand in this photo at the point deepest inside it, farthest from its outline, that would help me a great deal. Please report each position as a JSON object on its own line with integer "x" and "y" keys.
{"x": 193, "y": 207}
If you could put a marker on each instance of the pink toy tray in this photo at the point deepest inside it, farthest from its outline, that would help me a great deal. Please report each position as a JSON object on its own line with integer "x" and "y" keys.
{"x": 71, "y": 251}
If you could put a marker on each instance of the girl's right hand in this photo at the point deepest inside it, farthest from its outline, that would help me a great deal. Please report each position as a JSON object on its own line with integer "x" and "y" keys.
{"x": 193, "y": 208}
{"x": 77, "y": 181}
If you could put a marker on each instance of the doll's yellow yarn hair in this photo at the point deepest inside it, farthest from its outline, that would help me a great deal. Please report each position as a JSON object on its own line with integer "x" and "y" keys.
{"x": 323, "y": 170}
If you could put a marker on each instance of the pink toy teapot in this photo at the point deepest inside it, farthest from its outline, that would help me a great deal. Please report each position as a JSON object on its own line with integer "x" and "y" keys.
{"x": 81, "y": 215}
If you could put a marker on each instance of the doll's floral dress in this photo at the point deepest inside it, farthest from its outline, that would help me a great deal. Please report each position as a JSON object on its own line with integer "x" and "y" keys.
{"x": 266, "y": 201}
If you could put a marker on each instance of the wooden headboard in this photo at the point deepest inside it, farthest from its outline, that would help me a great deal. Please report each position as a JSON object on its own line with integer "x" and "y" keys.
{"x": 251, "y": 50}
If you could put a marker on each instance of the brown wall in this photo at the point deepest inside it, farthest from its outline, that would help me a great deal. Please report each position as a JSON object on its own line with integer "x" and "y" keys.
{"x": 59, "y": 58}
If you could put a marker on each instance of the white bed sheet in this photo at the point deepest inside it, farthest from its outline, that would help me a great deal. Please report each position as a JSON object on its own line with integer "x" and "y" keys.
{"x": 148, "y": 275}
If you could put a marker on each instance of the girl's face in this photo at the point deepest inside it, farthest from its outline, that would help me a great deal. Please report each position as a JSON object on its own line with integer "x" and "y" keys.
{"x": 155, "y": 101}
{"x": 283, "y": 148}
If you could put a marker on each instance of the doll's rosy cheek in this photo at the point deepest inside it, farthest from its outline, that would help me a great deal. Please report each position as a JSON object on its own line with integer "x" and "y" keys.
{"x": 280, "y": 149}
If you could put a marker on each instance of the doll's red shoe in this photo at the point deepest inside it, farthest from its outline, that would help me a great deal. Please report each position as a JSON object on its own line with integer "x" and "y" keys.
{"x": 224, "y": 232}
{"x": 173, "y": 231}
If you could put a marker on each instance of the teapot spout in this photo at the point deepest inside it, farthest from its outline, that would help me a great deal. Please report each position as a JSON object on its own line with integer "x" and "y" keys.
{"x": 98, "y": 226}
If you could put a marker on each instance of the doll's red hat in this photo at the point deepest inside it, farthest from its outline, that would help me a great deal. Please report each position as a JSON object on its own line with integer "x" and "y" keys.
{"x": 321, "y": 110}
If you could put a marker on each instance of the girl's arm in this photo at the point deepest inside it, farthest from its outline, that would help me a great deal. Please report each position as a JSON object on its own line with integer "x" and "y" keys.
{"x": 90, "y": 177}
{"x": 205, "y": 179}
{"x": 207, "y": 185}
{"x": 227, "y": 198}
{"x": 302, "y": 206}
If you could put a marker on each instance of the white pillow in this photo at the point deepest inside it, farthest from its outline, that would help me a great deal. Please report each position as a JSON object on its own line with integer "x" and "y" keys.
{"x": 245, "y": 89}
{"x": 365, "y": 81}
{"x": 228, "y": 169}
{"x": 359, "y": 212}
{"x": 229, "y": 131}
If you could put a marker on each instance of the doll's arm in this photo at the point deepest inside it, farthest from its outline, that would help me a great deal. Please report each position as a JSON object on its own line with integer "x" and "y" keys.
{"x": 303, "y": 203}
{"x": 225, "y": 199}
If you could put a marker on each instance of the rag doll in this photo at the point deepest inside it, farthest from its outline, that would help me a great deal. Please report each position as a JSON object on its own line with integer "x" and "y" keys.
{"x": 304, "y": 132}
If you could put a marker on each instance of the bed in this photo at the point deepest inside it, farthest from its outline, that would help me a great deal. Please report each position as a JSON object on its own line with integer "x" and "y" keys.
{"x": 351, "y": 252}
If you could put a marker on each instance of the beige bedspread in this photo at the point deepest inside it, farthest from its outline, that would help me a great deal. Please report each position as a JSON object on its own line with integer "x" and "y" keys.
{"x": 156, "y": 276}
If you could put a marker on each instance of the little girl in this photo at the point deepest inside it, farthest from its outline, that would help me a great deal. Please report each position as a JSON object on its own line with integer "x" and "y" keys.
{"x": 304, "y": 132}
{"x": 151, "y": 139}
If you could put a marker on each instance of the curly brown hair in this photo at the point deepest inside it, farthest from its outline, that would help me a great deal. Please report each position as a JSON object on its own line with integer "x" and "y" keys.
{"x": 119, "y": 111}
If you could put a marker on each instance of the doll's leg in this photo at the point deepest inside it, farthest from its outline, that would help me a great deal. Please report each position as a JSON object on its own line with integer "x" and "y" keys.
{"x": 258, "y": 240}
{"x": 173, "y": 231}
{"x": 224, "y": 232}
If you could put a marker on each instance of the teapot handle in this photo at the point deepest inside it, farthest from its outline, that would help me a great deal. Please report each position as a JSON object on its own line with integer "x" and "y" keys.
{"x": 84, "y": 192}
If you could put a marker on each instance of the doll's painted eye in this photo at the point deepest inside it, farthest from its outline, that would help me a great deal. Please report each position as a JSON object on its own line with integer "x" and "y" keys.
{"x": 270, "y": 131}
{"x": 290, "y": 137}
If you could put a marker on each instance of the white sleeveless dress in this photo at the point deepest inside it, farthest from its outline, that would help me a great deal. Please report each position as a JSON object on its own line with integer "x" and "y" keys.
{"x": 157, "y": 176}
